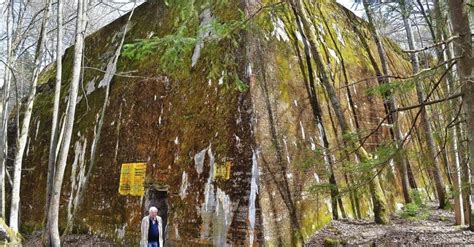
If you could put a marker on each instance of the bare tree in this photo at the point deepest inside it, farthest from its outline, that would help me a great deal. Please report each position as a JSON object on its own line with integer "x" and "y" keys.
{"x": 5, "y": 93}
{"x": 465, "y": 63}
{"x": 54, "y": 124}
{"x": 108, "y": 76}
{"x": 434, "y": 161}
{"x": 456, "y": 154}
{"x": 22, "y": 138}
{"x": 17, "y": 31}
{"x": 53, "y": 215}
{"x": 389, "y": 100}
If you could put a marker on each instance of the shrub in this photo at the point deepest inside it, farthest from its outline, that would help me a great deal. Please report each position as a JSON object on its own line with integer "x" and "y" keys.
{"x": 410, "y": 210}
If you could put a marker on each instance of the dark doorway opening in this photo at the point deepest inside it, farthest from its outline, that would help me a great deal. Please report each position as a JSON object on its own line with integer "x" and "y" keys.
{"x": 157, "y": 198}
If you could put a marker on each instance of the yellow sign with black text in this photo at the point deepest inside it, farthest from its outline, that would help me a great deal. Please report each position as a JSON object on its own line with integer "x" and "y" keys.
{"x": 132, "y": 179}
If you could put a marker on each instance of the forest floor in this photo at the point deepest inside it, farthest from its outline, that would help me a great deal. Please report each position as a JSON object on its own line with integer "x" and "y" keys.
{"x": 429, "y": 227}
{"x": 432, "y": 227}
{"x": 73, "y": 240}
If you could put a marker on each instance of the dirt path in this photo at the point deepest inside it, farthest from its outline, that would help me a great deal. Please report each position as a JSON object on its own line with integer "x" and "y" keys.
{"x": 437, "y": 229}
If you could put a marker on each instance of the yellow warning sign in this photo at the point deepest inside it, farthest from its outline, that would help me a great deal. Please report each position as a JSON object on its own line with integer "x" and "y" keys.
{"x": 132, "y": 179}
{"x": 222, "y": 171}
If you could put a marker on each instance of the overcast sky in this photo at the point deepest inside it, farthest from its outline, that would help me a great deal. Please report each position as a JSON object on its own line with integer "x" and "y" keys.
{"x": 350, "y": 5}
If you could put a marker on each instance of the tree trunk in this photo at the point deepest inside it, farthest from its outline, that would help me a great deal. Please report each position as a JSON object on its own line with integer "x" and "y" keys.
{"x": 108, "y": 76}
{"x": 457, "y": 193}
{"x": 53, "y": 215}
{"x": 54, "y": 135}
{"x": 4, "y": 113}
{"x": 389, "y": 101}
{"x": 434, "y": 160}
{"x": 22, "y": 138}
{"x": 454, "y": 145}
{"x": 463, "y": 49}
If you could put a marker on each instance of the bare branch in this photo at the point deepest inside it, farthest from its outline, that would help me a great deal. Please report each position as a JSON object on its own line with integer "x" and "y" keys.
{"x": 427, "y": 103}
{"x": 122, "y": 74}
{"x": 433, "y": 45}
{"x": 402, "y": 77}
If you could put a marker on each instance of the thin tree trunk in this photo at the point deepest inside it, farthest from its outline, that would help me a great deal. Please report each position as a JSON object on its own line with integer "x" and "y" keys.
{"x": 421, "y": 167}
{"x": 461, "y": 135}
{"x": 53, "y": 214}
{"x": 438, "y": 32}
{"x": 463, "y": 48}
{"x": 454, "y": 145}
{"x": 411, "y": 177}
{"x": 21, "y": 142}
{"x": 457, "y": 193}
{"x": 54, "y": 125}
{"x": 108, "y": 76}
{"x": 434, "y": 161}
{"x": 465, "y": 173}
{"x": 389, "y": 101}
{"x": 4, "y": 114}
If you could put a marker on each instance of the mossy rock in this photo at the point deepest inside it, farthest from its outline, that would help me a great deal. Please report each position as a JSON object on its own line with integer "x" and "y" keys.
{"x": 7, "y": 235}
{"x": 334, "y": 242}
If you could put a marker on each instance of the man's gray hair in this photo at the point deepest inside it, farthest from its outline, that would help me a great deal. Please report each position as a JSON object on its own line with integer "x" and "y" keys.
{"x": 153, "y": 209}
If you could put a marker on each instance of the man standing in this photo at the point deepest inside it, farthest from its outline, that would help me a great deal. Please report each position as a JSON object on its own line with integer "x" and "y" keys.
{"x": 152, "y": 229}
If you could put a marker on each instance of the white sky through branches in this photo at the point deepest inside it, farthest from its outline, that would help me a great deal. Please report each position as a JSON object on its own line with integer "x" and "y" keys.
{"x": 350, "y": 5}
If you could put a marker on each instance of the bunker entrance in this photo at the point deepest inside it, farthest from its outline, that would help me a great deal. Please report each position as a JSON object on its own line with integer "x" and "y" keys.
{"x": 157, "y": 197}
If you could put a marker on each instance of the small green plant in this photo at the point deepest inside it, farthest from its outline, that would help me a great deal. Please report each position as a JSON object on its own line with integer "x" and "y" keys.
{"x": 449, "y": 206}
{"x": 321, "y": 187}
{"x": 403, "y": 85}
{"x": 241, "y": 86}
{"x": 412, "y": 211}
{"x": 381, "y": 156}
{"x": 392, "y": 87}
{"x": 175, "y": 49}
{"x": 417, "y": 198}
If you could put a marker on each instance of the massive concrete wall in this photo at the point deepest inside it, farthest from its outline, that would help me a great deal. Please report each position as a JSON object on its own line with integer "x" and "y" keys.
{"x": 233, "y": 166}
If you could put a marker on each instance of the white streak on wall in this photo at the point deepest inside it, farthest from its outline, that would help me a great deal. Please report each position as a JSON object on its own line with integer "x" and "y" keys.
{"x": 37, "y": 128}
{"x": 199, "y": 160}
{"x": 279, "y": 30}
{"x": 184, "y": 186}
{"x": 253, "y": 198}
{"x": 302, "y": 131}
